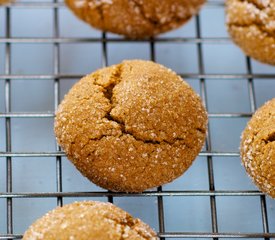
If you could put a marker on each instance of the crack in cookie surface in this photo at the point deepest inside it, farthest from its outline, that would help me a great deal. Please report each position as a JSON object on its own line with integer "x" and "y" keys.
{"x": 131, "y": 126}
{"x": 251, "y": 13}
{"x": 258, "y": 148}
{"x": 108, "y": 85}
{"x": 251, "y": 24}
{"x": 135, "y": 18}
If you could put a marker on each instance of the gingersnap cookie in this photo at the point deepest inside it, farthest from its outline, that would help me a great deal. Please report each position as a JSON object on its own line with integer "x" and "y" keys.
{"x": 251, "y": 24}
{"x": 131, "y": 126}
{"x": 89, "y": 220}
{"x": 258, "y": 148}
{"x": 135, "y": 18}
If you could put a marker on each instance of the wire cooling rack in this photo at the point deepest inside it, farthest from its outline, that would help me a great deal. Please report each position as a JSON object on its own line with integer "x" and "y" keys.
{"x": 221, "y": 202}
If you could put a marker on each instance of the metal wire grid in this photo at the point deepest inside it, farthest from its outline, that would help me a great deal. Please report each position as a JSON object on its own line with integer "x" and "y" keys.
{"x": 7, "y": 77}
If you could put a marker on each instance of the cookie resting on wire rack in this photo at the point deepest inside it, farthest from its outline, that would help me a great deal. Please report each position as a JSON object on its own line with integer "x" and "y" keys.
{"x": 89, "y": 220}
{"x": 258, "y": 148}
{"x": 251, "y": 25}
{"x": 135, "y": 18}
{"x": 132, "y": 126}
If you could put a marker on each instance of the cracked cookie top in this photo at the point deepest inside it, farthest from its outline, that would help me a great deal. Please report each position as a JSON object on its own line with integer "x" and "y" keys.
{"x": 258, "y": 148}
{"x": 89, "y": 220}
{"x": 251, "y": 24}
{"x": 135, "y": 18}
{"x": 131, "y": 126}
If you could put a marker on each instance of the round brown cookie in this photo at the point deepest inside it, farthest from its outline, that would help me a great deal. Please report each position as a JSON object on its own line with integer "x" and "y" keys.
{"x": 258, "y": 148}
{"x": 135, "y": 18}
{"x": 89, "y": 220}
{"x": 251, "y": 24}
{"x": 131, "y": 126}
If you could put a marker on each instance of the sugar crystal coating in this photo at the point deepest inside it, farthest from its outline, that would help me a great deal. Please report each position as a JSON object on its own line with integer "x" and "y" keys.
{"x": 135, "y": 18}
{"x": 89, "y": 220}
{"x": 131, "y": 126}
{"x": 251, "y": 24}
{"x": 258, "y": 148}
